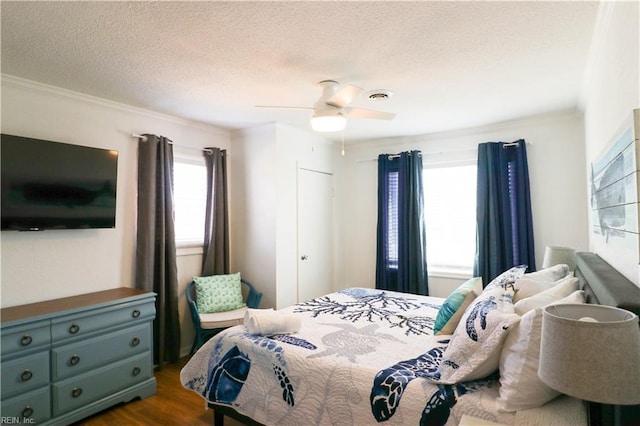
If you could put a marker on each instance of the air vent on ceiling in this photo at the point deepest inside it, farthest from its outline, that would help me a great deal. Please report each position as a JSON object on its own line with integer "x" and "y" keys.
{"x": 379, "y": 95}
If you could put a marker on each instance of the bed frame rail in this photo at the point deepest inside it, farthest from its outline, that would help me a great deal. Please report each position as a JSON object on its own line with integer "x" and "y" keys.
{"x": 604, "y": 285}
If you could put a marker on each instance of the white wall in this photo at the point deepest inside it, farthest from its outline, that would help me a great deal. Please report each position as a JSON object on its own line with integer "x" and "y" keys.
{"x": 252, "y": 199}
{"x": 264, "y": 199}
{"x": 297, "y": 148}
{"x": 611, "y": 92}
{"x": 556, "y": 168}
{"x": 52, "y": 264}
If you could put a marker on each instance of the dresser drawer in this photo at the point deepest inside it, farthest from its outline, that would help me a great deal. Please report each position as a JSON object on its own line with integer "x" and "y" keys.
{"x": 24, "y": 374}
{"x": 98, "y": 351}
{"x": 82, "y": 390}
{"x": 22, "y": 338}
{"x": 83, "y": 324}
{"x": 33, "y": 407}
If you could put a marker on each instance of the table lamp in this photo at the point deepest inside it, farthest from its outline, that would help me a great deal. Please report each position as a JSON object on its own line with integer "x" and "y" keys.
{"x": 591, "y": 352}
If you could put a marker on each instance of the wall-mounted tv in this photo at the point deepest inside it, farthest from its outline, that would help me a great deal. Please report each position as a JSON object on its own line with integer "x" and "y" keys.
{"x": 53, "y": 185}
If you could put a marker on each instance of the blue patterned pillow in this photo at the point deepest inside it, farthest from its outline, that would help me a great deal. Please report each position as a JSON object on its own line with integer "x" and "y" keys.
{"x": 452, "y": 309}
{"x": 475, "y": 347}
{"x": 218, "y": 293}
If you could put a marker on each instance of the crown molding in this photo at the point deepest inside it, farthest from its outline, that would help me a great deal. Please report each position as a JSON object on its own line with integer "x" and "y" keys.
{"x": 37, "y": 87}
{"x": 417, "y": 141}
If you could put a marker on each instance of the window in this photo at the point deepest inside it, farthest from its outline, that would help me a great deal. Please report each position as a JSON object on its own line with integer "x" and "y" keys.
{"x": 190, "y": 197}
{"x": 450, "y": 217}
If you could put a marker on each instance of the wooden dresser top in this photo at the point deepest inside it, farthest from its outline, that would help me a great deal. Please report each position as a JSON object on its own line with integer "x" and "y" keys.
{"x": 49, "y": 307}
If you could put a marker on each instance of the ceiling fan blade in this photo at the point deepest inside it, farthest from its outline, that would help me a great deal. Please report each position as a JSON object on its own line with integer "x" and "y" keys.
{"x": 368, "y": 113}
{"x": 282, "y": 107}
{"x": 344, "y": 96}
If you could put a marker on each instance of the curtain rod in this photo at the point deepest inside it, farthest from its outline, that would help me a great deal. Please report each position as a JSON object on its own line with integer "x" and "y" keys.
{"x": 505, "y": 145}
{"x": 510, "y": 144}
{"x": 421, "y": 154}
{"x": 394, "y": 156}
{"x": 144, "y": 139}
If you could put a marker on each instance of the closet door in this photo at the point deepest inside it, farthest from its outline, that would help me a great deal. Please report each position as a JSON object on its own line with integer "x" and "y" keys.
{"x": 315, "y": 234}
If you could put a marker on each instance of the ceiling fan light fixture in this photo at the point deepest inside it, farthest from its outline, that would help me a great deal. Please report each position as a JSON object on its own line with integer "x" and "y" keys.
{"x": 332, "y": 122}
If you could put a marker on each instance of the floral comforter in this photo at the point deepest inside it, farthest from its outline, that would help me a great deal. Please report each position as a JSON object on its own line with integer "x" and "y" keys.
{"x": 361, "y": 357}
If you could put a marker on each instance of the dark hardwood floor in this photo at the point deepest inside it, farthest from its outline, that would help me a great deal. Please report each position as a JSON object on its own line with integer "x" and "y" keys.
{"x": 172, "y": 405}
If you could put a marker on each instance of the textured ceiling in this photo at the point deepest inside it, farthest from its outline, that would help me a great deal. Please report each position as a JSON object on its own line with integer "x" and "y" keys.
{"x": 450, "y": 65}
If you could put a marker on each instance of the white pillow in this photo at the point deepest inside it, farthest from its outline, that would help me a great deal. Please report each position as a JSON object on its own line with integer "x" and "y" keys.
{"x": 474, "y": 349}
{"x": 520, "y": 386}
{"x": 527, "y": 287}
{"x": 552, "y": 273}
{"x": 546, "y": 297}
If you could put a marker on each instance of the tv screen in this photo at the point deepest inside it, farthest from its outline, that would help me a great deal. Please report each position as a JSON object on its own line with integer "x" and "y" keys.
{"x": 53, "y": 185}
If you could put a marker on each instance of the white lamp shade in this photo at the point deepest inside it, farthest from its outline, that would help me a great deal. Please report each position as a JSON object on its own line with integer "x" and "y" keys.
{"x": 328, "y": 122}
{"x": 591, "y": 352}
{"x": 554, "y": 255}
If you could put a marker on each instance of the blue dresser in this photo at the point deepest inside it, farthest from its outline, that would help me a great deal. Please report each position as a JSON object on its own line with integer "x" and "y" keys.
{"x": 66, "y": 359}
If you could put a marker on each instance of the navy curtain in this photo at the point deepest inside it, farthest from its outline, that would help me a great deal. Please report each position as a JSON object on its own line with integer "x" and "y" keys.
{"x": 401, "y": 240}
{"x": 504, "y": 220}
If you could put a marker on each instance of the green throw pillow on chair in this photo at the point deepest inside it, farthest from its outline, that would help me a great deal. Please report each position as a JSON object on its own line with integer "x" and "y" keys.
{"x": 218, "y": 293}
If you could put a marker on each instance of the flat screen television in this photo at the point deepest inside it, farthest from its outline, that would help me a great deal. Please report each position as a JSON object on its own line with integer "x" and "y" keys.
{"x": 53, "y": 185}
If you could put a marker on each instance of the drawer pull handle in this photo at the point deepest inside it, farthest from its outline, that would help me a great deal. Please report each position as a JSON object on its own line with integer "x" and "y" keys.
{"x": 136, "y": 371}
{"x": 135, "y": 341}
{"x": 27, "y": 412}
{"x": 135, "y": 313}
{"x": 26, "y": 375}
{"x": 26, "y": 340}
{"x": 76, "y": 392}
{"x": 74, "y": 360}
{"x": 74, "y": 328}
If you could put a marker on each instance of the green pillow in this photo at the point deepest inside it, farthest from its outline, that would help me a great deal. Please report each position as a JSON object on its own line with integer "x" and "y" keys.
{"x": 218, "y": 293}
{"x": 452, "y": 309}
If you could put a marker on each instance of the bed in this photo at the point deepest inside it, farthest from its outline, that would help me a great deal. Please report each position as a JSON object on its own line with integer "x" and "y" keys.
{"x": 364, "y": 356}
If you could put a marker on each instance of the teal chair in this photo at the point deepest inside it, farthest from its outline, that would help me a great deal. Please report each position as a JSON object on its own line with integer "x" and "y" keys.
{"x": 208, "y": 325}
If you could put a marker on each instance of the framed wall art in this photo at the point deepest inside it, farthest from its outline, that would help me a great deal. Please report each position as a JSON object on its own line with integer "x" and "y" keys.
{"x": 615, "y": 205}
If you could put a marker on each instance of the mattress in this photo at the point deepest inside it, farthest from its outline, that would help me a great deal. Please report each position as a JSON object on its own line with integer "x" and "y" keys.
{"x": 361, "y": 356}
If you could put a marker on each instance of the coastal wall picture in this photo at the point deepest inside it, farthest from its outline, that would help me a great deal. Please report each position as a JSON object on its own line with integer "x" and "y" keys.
{"x": 615, "y": 201}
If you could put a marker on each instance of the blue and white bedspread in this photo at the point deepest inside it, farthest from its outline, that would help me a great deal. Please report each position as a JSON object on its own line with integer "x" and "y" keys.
{"x": 362, "y": 357}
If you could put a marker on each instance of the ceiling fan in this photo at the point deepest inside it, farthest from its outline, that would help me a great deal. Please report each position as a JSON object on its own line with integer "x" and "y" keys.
{"x": 331, "y": 111}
